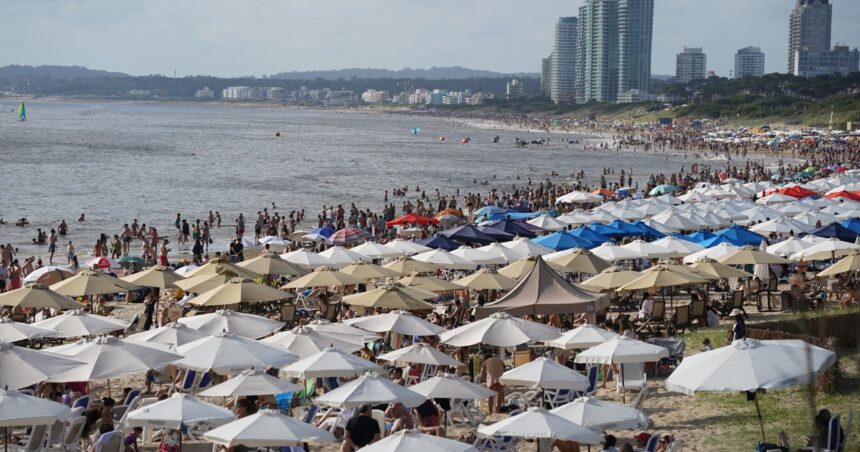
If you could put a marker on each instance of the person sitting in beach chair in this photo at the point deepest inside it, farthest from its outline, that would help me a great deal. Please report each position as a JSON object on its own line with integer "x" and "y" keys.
{"x": 429, "y": 418}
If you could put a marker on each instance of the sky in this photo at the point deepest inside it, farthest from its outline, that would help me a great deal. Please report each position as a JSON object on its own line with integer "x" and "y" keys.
{"x": 261, "y": 37}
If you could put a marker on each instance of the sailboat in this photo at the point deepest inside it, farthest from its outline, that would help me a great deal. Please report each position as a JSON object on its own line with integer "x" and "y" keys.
{"x": 22, "y": 112}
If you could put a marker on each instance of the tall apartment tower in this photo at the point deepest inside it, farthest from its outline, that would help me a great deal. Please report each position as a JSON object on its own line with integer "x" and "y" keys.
{"x": 749, "y": 62}
{"x": 809, "y": 29}
{"x": 546, "y": 74}
{"x": 635, "y": 31}
{"x": 690, "y": 64}
{"x": 563, "y": 61}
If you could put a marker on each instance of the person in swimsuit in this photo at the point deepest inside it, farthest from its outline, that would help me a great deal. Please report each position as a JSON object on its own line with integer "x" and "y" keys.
{"x": 164, "y": 251}
{"x": 70, "y": 253}
{"x": 15, "y": 275}
{"x": 52, "y": 246}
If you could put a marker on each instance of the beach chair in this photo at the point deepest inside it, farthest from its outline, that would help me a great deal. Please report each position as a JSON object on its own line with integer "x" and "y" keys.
{"x": 205, "y": 381}
{"x": 187, "y": 383}
{"x": 634, "y": 377}
{"x": 680, "y": 321}
{"x": 133, "y": 394}
{"x": 697, "y": 312}
{"x": 592, "y": 380}
{"x": 310, "y": 414}
{"x": 288, "y": 314}
{"x": 496, "y": 443}
{"x": 835, "y": 436}
{"x": 112, "y": 444}
{"x": 556, "y": 398}
{"x": 675, "y": 446}
{"x": 72, "y": 439}
{"x": 55, "y": 434}
{"x": 82, "y": 401}
{"x": 36, "y": 441}
{"x": 651, "y": 444}
{"x": 379, "y": 417}
{"x": 132, "y": 326}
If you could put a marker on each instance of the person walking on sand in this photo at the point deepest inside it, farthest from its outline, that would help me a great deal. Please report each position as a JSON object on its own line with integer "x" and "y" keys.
{"x": 164, "y": 251}
{"x": 126, "y": 237}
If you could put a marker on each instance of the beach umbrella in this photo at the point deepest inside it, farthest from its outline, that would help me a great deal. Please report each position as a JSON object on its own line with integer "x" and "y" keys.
{"x": 515, "y": 228}
{"x": 475, "y": 255}
{"x": 176, "y": 411}
{"x": 400, "y": 322}
{"x": 408, "y": 247}
{"x": 303, "y": 341}
{"x": 411, "y": 218}
{"x": 428, "y": 283}
{"x": 174, "y": 334}
{"x": 338, "y": 329}
{"x": 497, "y": 235}
{"x": 157, "y": 276}
{"x": 273, "y": 240}
{"x": 392, "y": 296}
{"x": 77, "y": 323}
{"x": 788, "y": 247}
{"x": 370, "y": 388}
{"x": 21, "y": 367}
{"x": 272, "y": 264}
{"x": 614, "y": 253}
{"x": 307, "y": 260}
{"x": 649, "y": 250}
{"x": 775, "y": 198}
{"x": 17, "y": 409}
{"x": 499, "y": 329}
{"x": 348, "y": 235}
{"x": 545, "y": 373}
{"x": 539, "y": 423}
{"x": 37, "y": 295}
{"x": 526, "y": 247}
{"x": 130, "y": 261}
{"x": 548, "y": 223}
{"x": 48, "y": 274}
{"x": 110, "y": 357}
{"x": 12, "y": 331}
{"x": 420, "y": 353}
{"x": 267, "y": 429}
{"x": 495, "y": 253}
{"x": 250, "y": 383}
{"x": 448, "y": 386}
{"x": 217, "y": 267}
{"x": 825, "y": 249}
{"x": 330, "y": 362}
{"x": 185, "y": 270}
{"x": 238, "y": 290}
{"x": 407, "y": 266}
{"x": 323, "y": 277}
{"x": 90, "y": 282}
{"x": 204, "y": 283}
{"x": 836, "y": 230}
{"x": 680, "y": 248}
{"x": 671, "y": 220}
{"x": 101, "y": 263}
{"x": 377, "y": 251}
{"x": 718, "y": 270}
{"x": 609, "y": 279}
{"x": 577, "y": 260}
{"x": 783, "y": 225}
{"x": 438, "y": 242}
{"x": 740, "y": 236}
{"x": 518, "y": 269}
{"x": 750, "y": 365}
{"x": 622, "y": 350}
{"x": 847, "y": 264}
{"x": 313, "y": 237}
{"x": 247, "y": 325}
{"x": 228, "y": 354}
{"x": 409, "y": 441}
{"x": 748, "y": 256}
{"x": 600, "y": 415}
{"x": 585, "y": 336}
{"x": 662, "y": 275}
{"x": 646, "y": 231}
{"x": 343, "y": 257}
{"x": 444, "y": 259}
{"x": 368, "y": 271}
{"x": 487, "y": 279}
{"x": 468, "y": 234}
{"x": 560, "y": 241}
{"x": 715, "y": 253}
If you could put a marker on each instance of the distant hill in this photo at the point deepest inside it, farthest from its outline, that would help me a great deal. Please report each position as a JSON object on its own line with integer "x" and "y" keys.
{"x": 433, "y": 73}
{"x": 59, "y": 72}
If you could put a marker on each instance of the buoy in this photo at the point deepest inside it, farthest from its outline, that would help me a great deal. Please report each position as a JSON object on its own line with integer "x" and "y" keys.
{"x": 277, "y": 134}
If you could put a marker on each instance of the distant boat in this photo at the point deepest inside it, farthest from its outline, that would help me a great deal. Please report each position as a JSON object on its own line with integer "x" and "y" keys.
{"x": 22, "y": 112}
{"x": 415, "y": 130}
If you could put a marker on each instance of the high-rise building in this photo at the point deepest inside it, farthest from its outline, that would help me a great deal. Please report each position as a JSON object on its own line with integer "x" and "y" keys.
{"x": 839, "y": 60}
{"x": 514, "y": 89}
{"x": 635, "y": 31}
{"x": 546, "y": 74}
{"x": 690, "y": 64}
{"x": 563, "y": 66}
{"x": 809, "y": 30}
{"x": 749, "y": 62}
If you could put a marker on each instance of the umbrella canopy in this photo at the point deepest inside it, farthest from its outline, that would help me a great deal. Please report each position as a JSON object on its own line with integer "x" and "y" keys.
{"x": 622, "y": 350}
{"x": 600, "y": 415}
{"x": 77, "y": 323}
{"x": 548, "y": 223}
{"x": 511, "y": 227}
{"x": 407, "y": 266}
{"x": 749, "y": 255}
{"x": 400, "y": 322}
{"x": 428, "y": 283}
{"x": 749, "y": 365}
{"x": 560, "y": 241}
{"x": 110, "y": 357}
{"x": 718, "y": 270}
{"x": 412, "y": 218}
{"x": 662, "y": 275}
{"x": 585, "y": 336}
{"x": 377, "y": 251}
{"x": 847, "y": 264}
{"x": 273, "y": 240}
{"x": 715, "y": 252}
{"x": 18, "y": 409}
{"x": 250, "y": 383}
{"x": 368, "y": 271}
{"x": 519, "y": 269}
{"x": 205, "y": 283}
{"x": 174, "y": 334}
{"x": 649, "y": 250}
{"x": 783, "y": 225}
{"x": 740, "y": 236}
{"x": 610, "y": 279}
{"x": 248, "y": 325}
{"x": 495, "y": 253}
{"x": 408, "y": 247}
{"x": 229, "y": 354}
{"x": 332, "y": 328}
{"x": 272, "y": 264}
{"x": 448, "y": 386}
{"x": 540, "y": 423}
{"x": 487, "y": 279}
{"x": 825, "y": 249}
{"x": 679, "y": 247}
{"x": 348, "y": 235}
{"x": 48, "y": 274}
{"x": 788, "y": 247}
{"x": 499, "y": 329}
{"x": 37, "y": 295}
{"x": 157, "y": 276}
{"x": 239, "y": 290}
{"x": 545, "y": 373}
{"x": 410, "y": 441}
{"x": 343, "y": 257}
{"x": 21, "y": 367}
{"x": 214, "y": 267}
{"x": 90, "y": 282}
{"x": 438, "y": 242}
{"x": 303, "y": 341}
{"x": 324, "y": 277}
{"x": 392, "y": 296}
{"x": 614, "y": 253}
{"x": 102, "y": 263}
{"x": 307, "y": 260}
{"x": 836, "y": 230}
{"x": 267, "y": 428}
{"x": 526, "y": 247}
{"x": 12, "y": 331}
{"x": 370, "y": 388}
{"x": 420, "y": 353}
{"x": 444, "y": 259}
{"x": 468, "y": 234}
{"x": 330, "y": 362}
{"x": 176, "y": 411}
{"x": 577, "y": 260}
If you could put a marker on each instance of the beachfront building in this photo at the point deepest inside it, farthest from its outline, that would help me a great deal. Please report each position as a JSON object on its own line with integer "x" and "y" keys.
{"x": 635, "y": 95}
{"x": 204, "y": 93}
{"x": 545, "y": 74}
{"x": 690, "y": 65}
{"x": 749, "y": 62}
{"x": 236, "y": 93}
{"x": 514, "y": 89}
{"x": 635, "y": 34}
{"x": 809, "y": 31}
{"x": 563, "y": 64}
{"x": 839, "y": 60}
{"x": 372, "y": 96}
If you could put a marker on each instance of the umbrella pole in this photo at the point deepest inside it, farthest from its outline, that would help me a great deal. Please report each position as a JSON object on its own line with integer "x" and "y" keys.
{"x": 760, "y": 421}
{"x": 108, "y": 385}
{"x": 621, "y": 383}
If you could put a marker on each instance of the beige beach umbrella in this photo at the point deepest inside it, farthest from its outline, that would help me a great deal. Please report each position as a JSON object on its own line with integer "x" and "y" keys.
{"x": 661, "y": 276}
{"x": 90, "y": 282}
{"x": 718, "y": 270}
{"x": 610, "y": 279}
{"x": 323, "y": 277}
{"x": 212, "y": 267}
{"x": 368, "y": 271}
{"x": 825, "y": 249}
{"x": 393, "y": 296}
{"x": 37, "y": 296}
{"x": 429, "y": 283}
{"x": 578, "y": 260}
{"x": 239, "y": 290}
{"x": 157, "y": 276}
{"x": 487, "y": 279}
{"x": 519, "y": 268}
{"x": 849, "y": 263}
{"x": 407, "y": 266}
{"x": 272, "y": 264}
{"x": 749, "y": 255}
{"x": 206, "y": 282}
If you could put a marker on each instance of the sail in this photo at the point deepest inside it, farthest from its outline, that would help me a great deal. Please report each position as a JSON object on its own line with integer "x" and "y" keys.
{"x": 22, "y": 112}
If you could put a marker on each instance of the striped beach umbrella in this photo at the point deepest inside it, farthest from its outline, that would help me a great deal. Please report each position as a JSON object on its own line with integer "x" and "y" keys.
{"x": 348, "y": 235}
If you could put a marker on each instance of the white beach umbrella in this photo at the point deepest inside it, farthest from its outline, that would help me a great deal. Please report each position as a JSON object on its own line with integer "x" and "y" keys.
{"x": 760, "y": 214}
{"x": 186, "y": 270}
{"x": 34, "y": 275}
{"x": 791, "y": 209}
{"x": 306, "y": 259}
{"x": 775, "y": 198}
{"x": 715, "y": 253}
{"x": 330, "y": 362}
{"x": 341, "y": 329}
{"x": 600, "y": 415}
{"x": 672, "y": 220}
{"x": 444, "y": 259}
{"x": 370, "y": 388}
{"x": 408, "y": 247}
{"x": 273, "y": 240}
{"x": 614, "y": 253}
{"x": 477, "y": 256}
{"x": 377, "y": 251}
{"x": 110, "y": 357}
{"x": 77, "y": 323}
{"x": 21, "y": 367}
{"x": 176, "y": 411}
{"x": 174, "y": 334}
{"x": 622, "y": 350}
{"x": 585, "y": 336}
{"x": 526, "y": 247}
{"x": 450, "y": 387}
{"x": 18, "y": 409}
{"x": 827, "y": 249}
{"x": 411, "y": 441}
{"x": 648, "y": 250}
{"x": 545, "y": 373}
{"x": 229, "y": 354}
{"x": 499, "y": 329}
{"x": 303, "y": 341}
{"x": 495, "y": 252}
{"x": 248, "y": 325}
{"x": 538, "y": 423}
{"x": 788, "y": 247}
{"x": 679, "y": 247}
{"x": 813, "y": 218}
{"x": 250, "y": 383}
{"x": 343, "y": 257}
{"x": 650, "y": 209}
{"x": 575, "y": 218}
{"x": 400, "y": 322}
{"x": 782, "y": 224}
{"x": 420, "y": 353}
{"x": 267, "y": 429}
{"x": 12, "y": 331}
{"x": 547, "y": 223}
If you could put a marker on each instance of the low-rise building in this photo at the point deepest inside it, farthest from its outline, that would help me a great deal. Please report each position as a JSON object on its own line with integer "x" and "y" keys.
{"x": 373, "y": 96}
{"x": 839, "y": 60}
{"x": 204, "y": 93}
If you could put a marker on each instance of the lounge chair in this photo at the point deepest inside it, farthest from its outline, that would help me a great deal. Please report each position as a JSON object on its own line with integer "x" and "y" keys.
{"x": 557, "y": 398}
{"x": 651, "y": 444}
{"x": 131, "y": 396}
{"x": 36, "y": 442}
{"x": 634, "y": 377}
{"x": 82, "y": 401}
{"x": 836, "y": 437}
{"x": 72, "y": 439}
{"x": 592, "y": 380}
{"x": 496, "y": 443}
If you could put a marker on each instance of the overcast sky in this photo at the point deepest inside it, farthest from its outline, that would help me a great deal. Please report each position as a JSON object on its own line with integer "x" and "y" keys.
{"x": 234, "y": 37}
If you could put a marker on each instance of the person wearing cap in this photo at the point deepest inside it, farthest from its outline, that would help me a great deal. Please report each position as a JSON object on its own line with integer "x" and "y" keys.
{"x": 739, "y": 329}
{"x": 641, "y": 441}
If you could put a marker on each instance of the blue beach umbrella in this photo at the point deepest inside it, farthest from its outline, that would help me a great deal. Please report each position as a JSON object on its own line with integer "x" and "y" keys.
{"x": 590, "y": 235}
{"x": 560, "y": 241}
{"x": 439, "y": 242}
{"x": 606, "y": 230}
{"x": 625, "y": 227}
{"x": 511, "y": 227}
{"x": 645, "y": 230}
{"x": 853, "y": 224}
{"x": 323, "y": 231}
{"x": 497, "y": 234}
{"x": 469, "y": 234}
{"x": 663, "y": 189}
{"x": 697, "y": 237}
{"x": 740, "y": 236}
{"x": 714, "y": 241}
{"x": 836, "y": 230}
{"x": 487, "y": 211}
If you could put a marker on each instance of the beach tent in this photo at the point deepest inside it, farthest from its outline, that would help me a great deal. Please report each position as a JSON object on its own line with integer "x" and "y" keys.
{"x": 837, "y": 231}
{"x": 466, "y": 233}
{"x": 560, "y": 241}
{"x": 740, "y": 236}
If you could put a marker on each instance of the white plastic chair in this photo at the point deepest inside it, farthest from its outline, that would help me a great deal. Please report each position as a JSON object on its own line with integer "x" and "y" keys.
{"x": 634, "y": 377}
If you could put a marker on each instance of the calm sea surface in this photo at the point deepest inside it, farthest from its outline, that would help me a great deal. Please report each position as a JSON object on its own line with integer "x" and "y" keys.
{"x": 120, "y": 161}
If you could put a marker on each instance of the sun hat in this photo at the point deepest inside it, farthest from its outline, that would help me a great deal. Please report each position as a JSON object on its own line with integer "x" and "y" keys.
{"x": 736, "y": 311}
